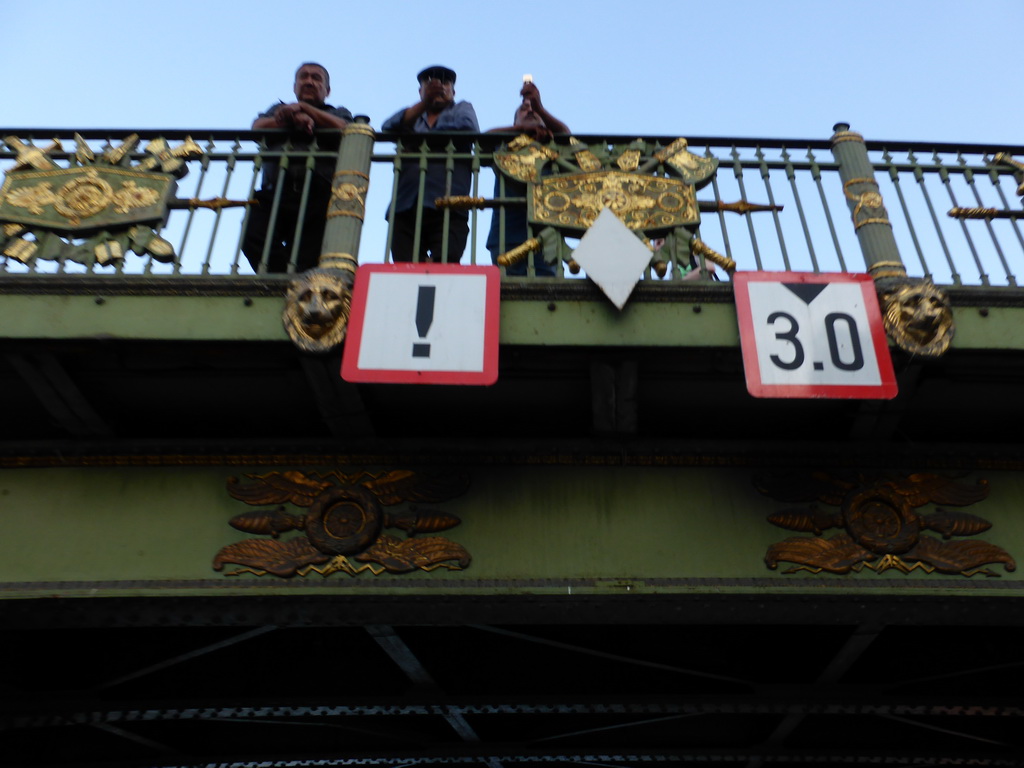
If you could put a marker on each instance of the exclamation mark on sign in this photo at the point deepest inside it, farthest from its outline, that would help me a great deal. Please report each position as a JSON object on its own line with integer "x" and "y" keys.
{"x": 424, "y": 317}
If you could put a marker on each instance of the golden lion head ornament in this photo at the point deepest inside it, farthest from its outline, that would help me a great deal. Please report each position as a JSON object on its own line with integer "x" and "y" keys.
{"x": 919, "y": 319}
{"x": 316, "y": 311}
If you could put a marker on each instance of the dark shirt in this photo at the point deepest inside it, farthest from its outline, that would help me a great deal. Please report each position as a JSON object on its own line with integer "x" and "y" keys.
{"x": 516, "y": 231}
{"x": 301, "y": 141}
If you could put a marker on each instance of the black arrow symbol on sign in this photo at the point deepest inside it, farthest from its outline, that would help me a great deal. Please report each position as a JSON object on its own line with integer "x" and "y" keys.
{"x": 806, "y": 292}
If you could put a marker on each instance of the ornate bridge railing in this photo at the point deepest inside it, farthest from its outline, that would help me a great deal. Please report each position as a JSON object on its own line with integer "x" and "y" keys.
{"x": 953, "y": 211}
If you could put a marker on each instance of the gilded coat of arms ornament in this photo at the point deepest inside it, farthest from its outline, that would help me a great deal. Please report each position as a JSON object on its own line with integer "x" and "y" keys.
{"x": 94, "y": 210}
{"x": 651, "y": 188}
{"x": 343, "y": 529}
{"x": 881, "y": 527}
{"x": 642, "y": 203}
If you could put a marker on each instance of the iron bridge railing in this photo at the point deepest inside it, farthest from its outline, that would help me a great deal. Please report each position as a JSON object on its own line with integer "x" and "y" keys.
{"x": 953, "y": 208}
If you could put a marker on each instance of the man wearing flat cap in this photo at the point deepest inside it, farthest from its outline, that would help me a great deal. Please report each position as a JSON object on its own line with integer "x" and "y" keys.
{"x": 436, "y": 111}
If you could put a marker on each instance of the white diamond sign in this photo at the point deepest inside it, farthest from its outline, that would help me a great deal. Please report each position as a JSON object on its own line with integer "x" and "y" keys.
{"x": 613, "y": 257}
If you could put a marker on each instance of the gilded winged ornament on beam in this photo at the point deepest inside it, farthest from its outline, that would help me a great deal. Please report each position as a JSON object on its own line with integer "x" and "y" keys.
{"x": 880, "y": 525}
{"x": 342, "y": 529}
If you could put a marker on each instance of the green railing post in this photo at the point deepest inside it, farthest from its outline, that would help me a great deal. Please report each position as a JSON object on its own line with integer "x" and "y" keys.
{"x": 318, "y": 301}
{"x": 347, "y": 209}
{"x": 870, "y": 219}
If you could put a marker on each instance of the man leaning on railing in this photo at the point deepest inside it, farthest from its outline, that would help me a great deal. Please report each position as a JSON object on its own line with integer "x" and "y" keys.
{"x": 302, "y": 119}
{"x": 436, "y": 110}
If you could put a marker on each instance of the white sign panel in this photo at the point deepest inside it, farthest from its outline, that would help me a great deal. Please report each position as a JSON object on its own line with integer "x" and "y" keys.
{"x": 423, "y": 324}
{"x": 613, "y": 257}
{"x": 813, "y": 336}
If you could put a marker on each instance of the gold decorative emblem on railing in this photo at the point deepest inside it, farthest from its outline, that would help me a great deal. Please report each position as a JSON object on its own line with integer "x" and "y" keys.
{"x": 82, "y": 197}
{"x": 641, "y": 202}
{"x": 881, "y": 527}
{"x": 649, "y": 187}
{"x": 869, "y": 208}
{"x": 105, "y": 203}
{"x": 629, "y": 160}
{"x": 342, "y": 531}
{"x": 34, "y": 199}
{"x": 586, "y": 159}
{"x": 348, "y": 194}
{"x": 523, "y": 158}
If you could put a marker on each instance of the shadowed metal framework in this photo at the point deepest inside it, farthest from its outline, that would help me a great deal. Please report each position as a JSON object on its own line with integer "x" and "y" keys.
{"x": 845, "y": 682}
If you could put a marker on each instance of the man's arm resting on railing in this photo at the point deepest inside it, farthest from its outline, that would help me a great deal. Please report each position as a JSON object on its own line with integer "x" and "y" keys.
{"x": 300, "y": 115}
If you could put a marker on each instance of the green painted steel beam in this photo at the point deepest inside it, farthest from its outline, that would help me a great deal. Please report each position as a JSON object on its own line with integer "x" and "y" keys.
{"x": 172, "y": 318}
{"x": 559, "y": 322}
{"x": 91, "y": 531}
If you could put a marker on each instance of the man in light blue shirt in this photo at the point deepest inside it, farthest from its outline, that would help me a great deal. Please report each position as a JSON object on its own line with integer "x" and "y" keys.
{"x": 436, "y": 111}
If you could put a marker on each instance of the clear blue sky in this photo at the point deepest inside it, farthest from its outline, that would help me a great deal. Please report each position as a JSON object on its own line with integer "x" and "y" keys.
{"x": 896, "y": 69}
{"x": 929, "y": 70}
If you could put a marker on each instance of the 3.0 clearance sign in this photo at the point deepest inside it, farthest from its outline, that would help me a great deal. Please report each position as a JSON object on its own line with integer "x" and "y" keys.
{"x": 813, "y": 336}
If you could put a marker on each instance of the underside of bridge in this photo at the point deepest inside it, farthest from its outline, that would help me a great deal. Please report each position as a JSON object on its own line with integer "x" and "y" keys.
{"x": 650, "y": 631}
{"x": 611, "y": 681}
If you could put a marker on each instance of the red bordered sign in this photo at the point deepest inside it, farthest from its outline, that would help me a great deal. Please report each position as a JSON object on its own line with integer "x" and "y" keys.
{"x": 423, "y": 324}
{"x": 813, "y": 336}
